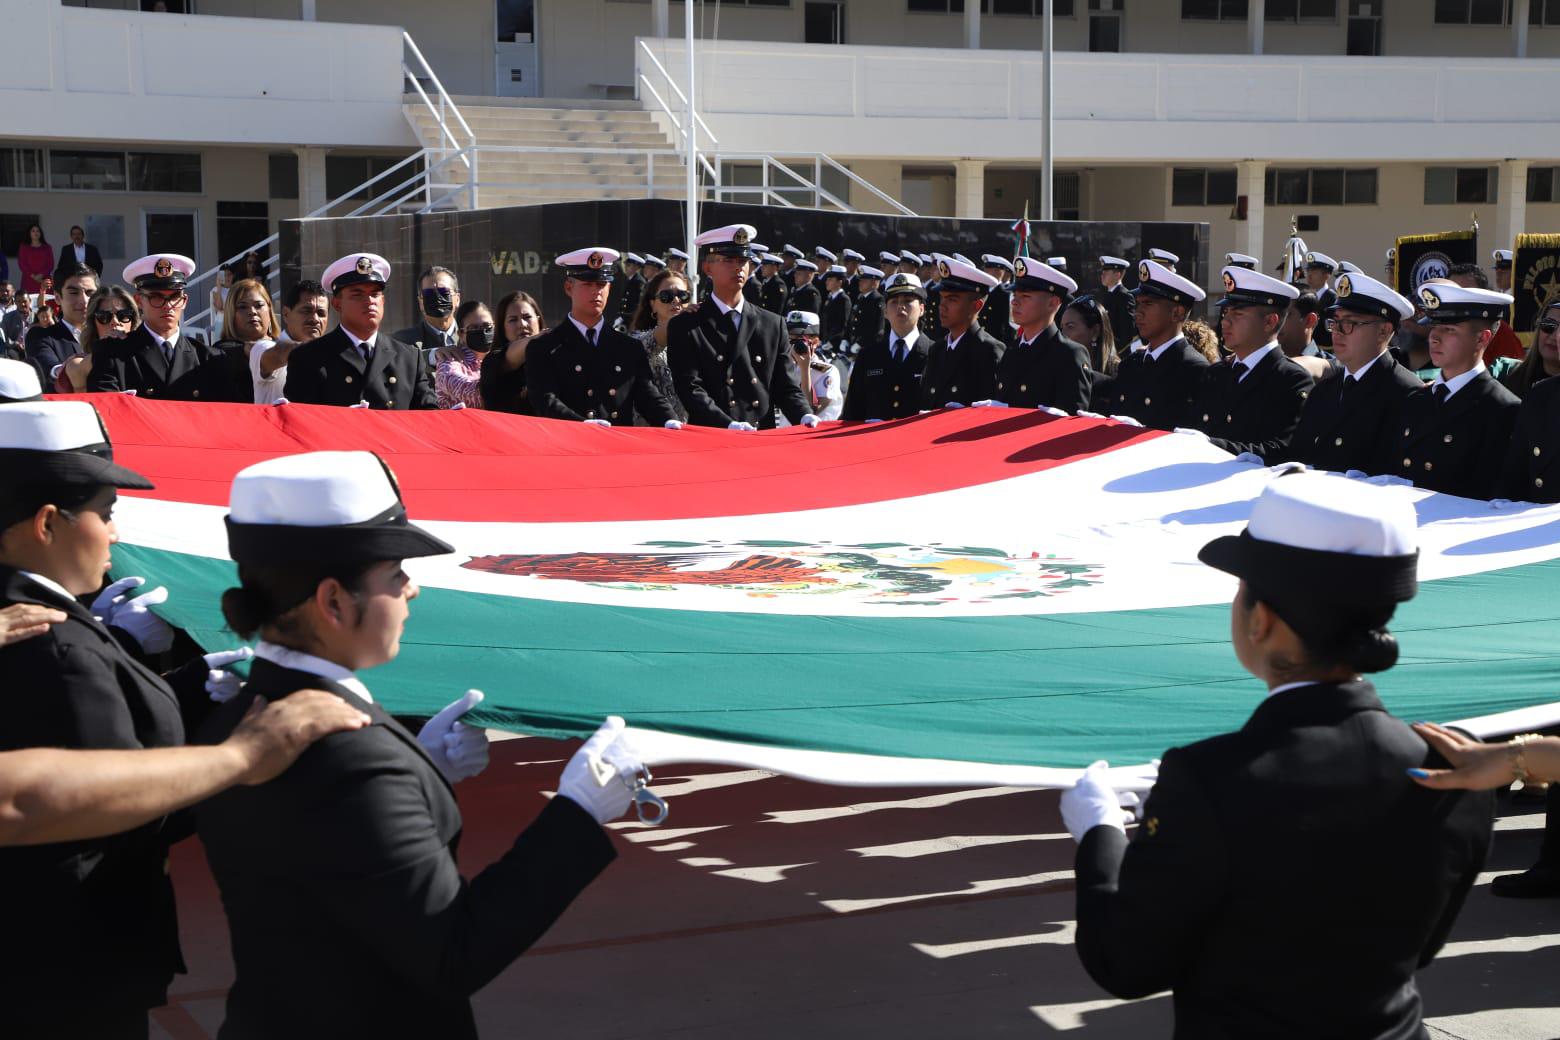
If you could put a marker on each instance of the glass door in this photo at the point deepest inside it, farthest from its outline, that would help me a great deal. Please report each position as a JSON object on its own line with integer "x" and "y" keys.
{"x": 172, "y": 231}
{"x": 824, "y": 21}
{"x": 515, "y": 66}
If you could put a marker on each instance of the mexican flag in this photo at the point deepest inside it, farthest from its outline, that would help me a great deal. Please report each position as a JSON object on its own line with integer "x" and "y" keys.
{"x": 962, "y": 597}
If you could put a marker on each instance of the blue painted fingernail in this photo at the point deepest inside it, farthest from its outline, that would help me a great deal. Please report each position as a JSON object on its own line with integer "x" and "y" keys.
{"x": 1419, "y": 774}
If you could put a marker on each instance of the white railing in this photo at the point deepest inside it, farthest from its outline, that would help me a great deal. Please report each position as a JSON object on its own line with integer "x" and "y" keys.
{"x": 643, "y": 80}
{"x": 444, "y": 111}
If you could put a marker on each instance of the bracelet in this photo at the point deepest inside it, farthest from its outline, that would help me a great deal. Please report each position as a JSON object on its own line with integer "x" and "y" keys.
{"x": 1519, "y": 770}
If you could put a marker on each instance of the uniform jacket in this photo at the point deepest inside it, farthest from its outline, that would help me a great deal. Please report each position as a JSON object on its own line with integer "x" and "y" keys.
{"x": 994, "y": 316}
{"x": 753, "y": 290}
{"x": 1158, "y": 393}
{"x": 91, "y": 917}
{"x": 1256, "y": 414}
{"x": 567, "y": 378}
{"x": 1320, "y": 336}
{"x": 774, "y": 295}
{"x": 330, "y": 370}
{"x": 504, "y": 389}
{"x": 867, "y": 323}
{"x": 836, "y": 317}
{"x": 1456, "y": 448}
{"x": 348, "y": 913}
{"x": 1531, "y": 474}
{"x": 966, "y": 374}
{"x": 805, "y": 298}
{"x": 1120, "y": 305}
{"x": 1340, "y": 429}
{"x": 198, "y": 373}
{"x": 931, "y": 314}
{"x": 633, "y": 291}
{"x": 882, "y": 388}
{"x": 1051, "y": 371}
{"x": 1288, "y": 878}
{"x": 725, "y": 376}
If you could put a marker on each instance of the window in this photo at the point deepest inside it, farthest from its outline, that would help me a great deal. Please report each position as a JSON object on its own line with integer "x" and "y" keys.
{"x": 1066, "y": 190}
{"x": 21, "y": 167}
{"x": 1022, "y": 8}
{"x": 165, "y": 172}
{"x": 1300, "y": 10}
{"x": 1459, "y": 184}
{"x": 86, "y": 171}
{"x": 240, "y": 225}
{"x": 1541, "y": 183}
{"x": 107, "y": 232}
{"x": 1105, "y": 23}
{"x": 1214, "y": 10}
{"x": 1196, "y": 186}
{"x": 1473, "y": 12}
{"x": 13, "y": 230}
{"x": 1364, "y": 28}
{"x": 1544, "y": 12}
{"x": 282, "y": 175}
{"x": 343, "y": 173}
{"x": 1326, "y": 186}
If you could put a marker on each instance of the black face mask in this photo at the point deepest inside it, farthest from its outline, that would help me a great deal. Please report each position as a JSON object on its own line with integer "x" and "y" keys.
{"x": 437, "y": 302}
{"x": 480, "y": 340}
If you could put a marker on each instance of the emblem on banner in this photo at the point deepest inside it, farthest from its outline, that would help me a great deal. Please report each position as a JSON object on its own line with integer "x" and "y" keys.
{"x": 1431, "y": 265}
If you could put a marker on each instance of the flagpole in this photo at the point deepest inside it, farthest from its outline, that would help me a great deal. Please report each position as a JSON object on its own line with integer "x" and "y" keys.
{"x": 1046, "y": 172}
{"x": 691, "y": 208}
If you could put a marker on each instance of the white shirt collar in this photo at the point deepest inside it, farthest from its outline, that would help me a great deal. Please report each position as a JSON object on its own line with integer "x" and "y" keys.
{"x": 298, "y": 661}
{"x": 81, "y": 251}
{"x": 954, "y": 343}
{"x": 1292, "y": 686}
{"x": 1456, "y": 383}
{"x": 1357, "y": 376}
{"x": 835, "y": 293}
{"x": 724, "y": 310}
{"x": 50, "y": 584}
{"x": 1251, "y": 360}
{"x": 76, "y": 332}
{"x": 909, "y": 341}
{"x": 370, "y": 341}
{"x": 1155, "y": 352}
{"x": 171, "y": 341}
{"x": 585, "y": 330}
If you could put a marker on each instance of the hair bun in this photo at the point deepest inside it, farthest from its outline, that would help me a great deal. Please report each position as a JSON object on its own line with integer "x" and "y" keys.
{"x": 245, "y": 609}
{"x": 1372, "y": 650}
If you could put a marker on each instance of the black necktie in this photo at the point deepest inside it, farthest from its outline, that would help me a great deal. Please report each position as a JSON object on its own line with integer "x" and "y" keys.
{"x": 1441, "y": 392}
{"x": 736, "y": 320}
{"x": 1239, "y": 368}
{"x": 1348, "y": 385}
{"x": 901, "y": 349}
{"x": 590, "y": 336}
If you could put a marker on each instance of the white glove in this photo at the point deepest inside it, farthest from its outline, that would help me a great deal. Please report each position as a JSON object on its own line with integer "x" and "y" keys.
{"x": 1088, "y": 415}
{"x": 1126, "y": 420}
{"x": 809, "y": 420}
{"x": 1092, "y": 803}
{"x": 135, "y": 617}
{"x": 279, "y": 402}
{"x": 460, "y": 751}
{"x": 1292, "y": 466}
{"x": 989, "y": 404}
{"x": 1500, "y": 503}
{"x": 869, "y": 422}
{"x": 221, "y": 684}
{"x": 1060, "y": 413}
{"x": 1389, "y": 480}
{"x": 113, "y": 597}
{"x": 673, "y": 424}
{"x": 600, "y": 776}
{"x": 457, "y": 406}
{"x": 1189, "y": 432}
{"x": 1356, "y": 474}
{"x": 745, "y": 427}
{"x": 597, "y": 422}
{"x": 131, "y": 393}
{"x": 360, "y": 404}
{"x": 1251, "y": 457}
{"x": 953, "y": 404}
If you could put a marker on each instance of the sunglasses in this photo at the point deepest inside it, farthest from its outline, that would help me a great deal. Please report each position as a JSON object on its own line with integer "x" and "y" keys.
{"x": 104, "y": 317}
{"x": 1548, "y": 325}
{"x": 674, "y": 296}
{"x": 479, "y": 330}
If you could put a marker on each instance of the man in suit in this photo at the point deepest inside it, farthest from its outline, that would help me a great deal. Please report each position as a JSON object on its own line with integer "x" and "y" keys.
{"x": 885, "y": 381}
{"x": 438, "y": 295}
{"x": 1245, "y": 890}
{"x": 584, "y": 370}
{"x": 1116, "y": 300}
{"x": 1248, "y": 404}
{"x": 962, "y": 367}
{"x": 1044, "y": 368}
{"x": 997, "y": 316}
{"x": 158, "y": 360}
{"x": 866, "y": 316}
{"x": 1319, "y": 268}
{"x": 10, "y": 329}
{"x": 1454, "y": 435}
{"x": 837, "y": 309}
{"x": 1155, "y": 383}
{"x": 1351, "y": 413}
{"x": 356, "y": 365}
{"x": 49, "y": 346}
{"x": 348, "y": 912}
{"x": 804, "y": 295}
{"x": 76, "y": 253}
{"x": 731, "y": 362}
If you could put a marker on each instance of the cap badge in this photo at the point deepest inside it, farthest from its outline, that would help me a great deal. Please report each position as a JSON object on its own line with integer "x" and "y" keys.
{"x": 1020, "y": 268}
{"x": 1144, "y": 271}
{"x": 365, "y": 265}
{"x": 942, "y": 270}
{"x": 741, "y": 237}
{"x": 1345, "y": 286}
{"x": 1429, "y": 298}
{"x": 1229, "y": 282}
{"x": 163, "y": 268}
{"x": 593, "y": 261}
{"x": 1310, "y": 258}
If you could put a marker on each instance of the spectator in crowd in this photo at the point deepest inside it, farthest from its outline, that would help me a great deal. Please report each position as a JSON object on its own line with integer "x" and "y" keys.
{"x": 665, "y": 297}
{"x": 1531, "y": 474}
{"x": 112, "y": 314}
{"x": 438, "y": 295}
{"x": 821, "y": 380}
{"x": 1204, "y": 339}
{"x": 503, "y": 371}
{"x": 13, "y": 319}
{"x": 305, "y": 316}
{"x": 1086, "y": 322}
{"x": 1297, "y": 334}
{"x": 252, "y": 266}
{"x": 1543, "y": 357}
{"x": 222, "y": 284}
{"x": 19, "y": 320}
{"x": 76, "y": 252}
{"x": 50, "y": 343}
{"x": 457, "y": 375}
{"x": 252, "y": 328}
{"x": 158, "y": 359}
{"x": 35, "y": 260}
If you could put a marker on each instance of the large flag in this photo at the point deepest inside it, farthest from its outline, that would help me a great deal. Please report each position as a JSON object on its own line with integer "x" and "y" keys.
{"x": 1535, "y": 280}
{"x": 995, "y": 589}
{"x": 1421, "y": 257}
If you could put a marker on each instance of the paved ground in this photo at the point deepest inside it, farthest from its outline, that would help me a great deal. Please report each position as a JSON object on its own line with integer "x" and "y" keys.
{"x": 770, "y": 908}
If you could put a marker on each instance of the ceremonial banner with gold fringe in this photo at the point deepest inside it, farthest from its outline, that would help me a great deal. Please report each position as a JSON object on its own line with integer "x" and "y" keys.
{"x": 1535, "y": 281}
{"x": 1422, "y": 257}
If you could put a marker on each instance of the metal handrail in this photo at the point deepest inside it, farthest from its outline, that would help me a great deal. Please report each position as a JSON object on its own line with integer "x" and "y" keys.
{"x": 698, "y": 119}
{"x": 444, "y": 97}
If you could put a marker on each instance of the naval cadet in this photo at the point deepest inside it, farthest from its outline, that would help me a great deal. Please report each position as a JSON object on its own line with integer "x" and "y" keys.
{"x": 822, "y": 379}
{"x": 1502, "y": 263}
{"x": 852, "y": 261}
{"x": 1245, "y": 260}
{"x": 931, "y": 278}
{"x": 866, "y": 317}
{"x": 753, "y": 288}
{"x": 731, "y": 362}
{"x": 910, "y": 263}
{"x": 1249, "y": 402}
{"x": 774, "y": 292}
{"x": 1319, "y": 269}
{"x": 1156, "y": 381}
{"x": 677, "y": 261}
{"x": 1352, "y": 412}
{"x": 1456, "y": 432}
{"x": 583, "y": 369}
{"x": 157, "y": 359}
{"x": 962, "y": 367}
{"x": 1164, "y": 258}
{"x": 1531, "y": 474}
{"x": 1117, "y": 301}
{"x": 804, "y": 295}
{"x": 1246, "y": 890}
{"x": 19, "y": 382}
{"x": 1043, "y": 369}
{"x": 837, "y": 309}
{"x": 357, "y": 365}
{"x": 633, "y": 288}
{"x": 885, "y": 382}
{"x": 997, "y": 316}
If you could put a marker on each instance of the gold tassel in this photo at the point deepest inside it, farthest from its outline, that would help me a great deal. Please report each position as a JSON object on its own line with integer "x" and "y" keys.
{"x": 1439, "y": 236}
{"x": 1537, "y": 242}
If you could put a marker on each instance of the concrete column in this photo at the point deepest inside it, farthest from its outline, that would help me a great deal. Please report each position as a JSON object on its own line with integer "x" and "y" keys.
{"x": 660, "y": 17}
{"x": 1255, "y": 18}
{"x": 311, "y": 179}
{"x": 1519, "y": 27}
{"x": 972, "y": 24}
{"x": 1250, "y": 176}
{"x": 1511, "y": 212}
{"x": 969, "y": 185}
{"x": 306, "y": 10}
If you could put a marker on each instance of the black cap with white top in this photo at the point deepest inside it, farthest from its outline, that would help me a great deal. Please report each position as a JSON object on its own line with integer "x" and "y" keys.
{"x": 734, "y": 240}
{"x": 1247, "y": 288}
{"x": 591, "y": 264}
{"x": 355, "y": 269}
{"x": 18, "y": 382}
{"x": 960, "y": 276}
{"x": 1030, "y": 274}
{"x": 1363, "y": 294}
{"x": 1155, "y": 279}
{"x": 1447, "y": 304}
{"x": 53, "y": 443}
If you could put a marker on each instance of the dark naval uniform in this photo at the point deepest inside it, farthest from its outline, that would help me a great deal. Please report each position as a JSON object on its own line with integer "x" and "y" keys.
{"x": 568, "y": 378}
{"x": 867, "y": 321}
{"x": 966, "y": 373}
{"x": 1325, "y": 299}
{"x": 1345, "y": 420}
{"x": 931, "y": 317}
{"x": 1531, "y": 474}
{"x": 805, "y": 298}
{"x": 633, "y": 291}
{"x": 995, "y": 316}
{"x": 198, "y": 372}
{"x": 1158, "y": 393}
{"x": 753, "y": 290}
{"x": 1049, "y": 370}
{"x": 726, "y": 376}
{"x": 1119, "y": 306}
{"x": 883, "y": 387}
{"x": 331, "y": 370}
{"x": 1255, "y": 414}
{"x": 1449, "y": 446}
{"x": 773, "y": 296}
{"x": 836, "y": 317}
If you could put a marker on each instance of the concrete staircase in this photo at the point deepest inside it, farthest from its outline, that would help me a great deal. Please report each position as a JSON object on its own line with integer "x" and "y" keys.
{"x": 592, "y": 153}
